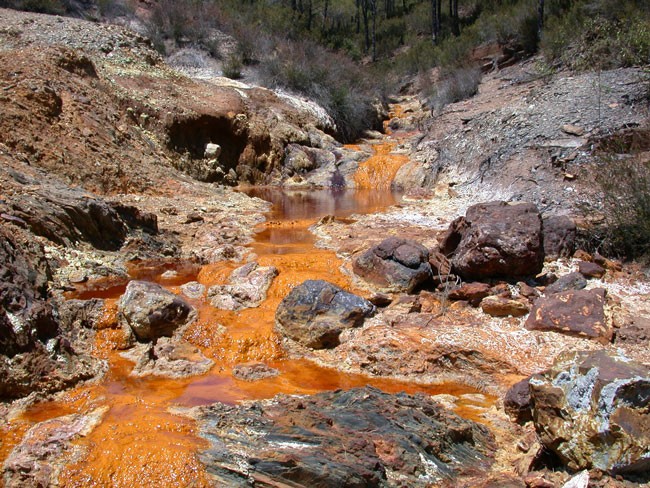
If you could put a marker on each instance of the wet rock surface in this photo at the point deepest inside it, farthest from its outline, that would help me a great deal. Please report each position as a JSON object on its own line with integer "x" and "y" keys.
{"x": 247, "y": 288}
{"x": 253, "y": 371}
{"x": 315, "y": 313}
{"x": 496, "y": 239}
{"x": 578, "y": 312}
{"x": 591, "y": 409}
{"x": 356, "y": 438}
{"x": 396, "y": 265}
{"x": 151, "y": 311}
{"x": 46, "y": 448}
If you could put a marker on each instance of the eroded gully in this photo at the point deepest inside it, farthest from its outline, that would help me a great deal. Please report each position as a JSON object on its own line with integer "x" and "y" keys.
{"x": 139, "y": 441}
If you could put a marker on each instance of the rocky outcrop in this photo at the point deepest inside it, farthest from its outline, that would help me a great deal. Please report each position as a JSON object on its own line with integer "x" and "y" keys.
{"x": 247, "y": 288}
{"x": 559, "y": 236}
{"x": 315, "y": 313}
{"x": 591, "y": 409}
{"x": 46, "y": 448}
{"x": 356, "y": 438}
{"x": 151, "y": 311}
{"x": 395, "y": 265}
{"x": 35, "y": 352}
{"x": 590, "y": 270}
{"x": 496, "y": 239}
{"x": 574, "y": 312}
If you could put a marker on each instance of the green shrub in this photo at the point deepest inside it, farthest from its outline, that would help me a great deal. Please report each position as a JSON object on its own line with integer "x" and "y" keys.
{"x": 233, "y": 68}
{"x": 623, "y": 173}
{"x": 455, "y": 86}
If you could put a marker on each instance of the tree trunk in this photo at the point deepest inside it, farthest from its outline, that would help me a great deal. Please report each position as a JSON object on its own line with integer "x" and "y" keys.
{"x": 310, "y": 13}
{"x": 358, "y": 17}
{"x": 374, "y": 25}
{"x": 454, "y": 16}
{"x": 364, "y": 11}
{"x": 540, "y": 18}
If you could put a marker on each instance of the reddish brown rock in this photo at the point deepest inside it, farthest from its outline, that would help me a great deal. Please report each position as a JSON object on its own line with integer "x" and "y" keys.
{"x": 253, "y": 371}
{"x": 472, "y": 292}
{"x": 574, "y": 312}
{"x": 559, "y": 236}
{"x": 590, "y": 270}
{"x": 503, "y": 307}
{"x": 635, "y": 332}
{"x": 527, "y": 290}
{"x": 608, "y": 264}
{"x": 396, "y": 265}
{"x": 516, "y": 403}
{"x": 496, "y": 239}
{"x": 583, "y": 255}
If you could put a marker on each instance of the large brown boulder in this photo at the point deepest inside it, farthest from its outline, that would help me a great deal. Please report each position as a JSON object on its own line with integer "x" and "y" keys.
{"x": 559, "y": 236}
{"x": 396, "y": 265}
{"x": 573, "y": 312}
{"x": 151, "y": 311}
{"x": 591, "y": 409}
{"x": 496, "y": 239}
{"x": 315, "y": 313}
{"x": 358, "y": 438}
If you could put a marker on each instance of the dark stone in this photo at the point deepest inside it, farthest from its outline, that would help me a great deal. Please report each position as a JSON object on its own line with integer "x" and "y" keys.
{"x": 152, "y": 311}
{"x": 559, "y": 236}
{"x": 397, "y": 265}
{"x": 380, "y": 300}
{"x": 496, "y": 239}
{"x": 471, "y": 292}
{"x": 573, "y": 312}
{"x": 571, "y": 281}
{"x": 591, "y": 409}
{"x": 516, "y": 403}
{"x": 353, "y": 439}
{"x": 315, "y": 313}
{"x": 590, "y": 270}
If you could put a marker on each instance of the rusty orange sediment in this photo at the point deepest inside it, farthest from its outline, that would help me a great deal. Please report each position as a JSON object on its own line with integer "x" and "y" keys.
{"x": 140, "y": 441}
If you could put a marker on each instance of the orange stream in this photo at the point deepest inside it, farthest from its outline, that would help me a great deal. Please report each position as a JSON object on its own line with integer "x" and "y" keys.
{"x": 379, "y": 170}
{"x": 139, "y": 441}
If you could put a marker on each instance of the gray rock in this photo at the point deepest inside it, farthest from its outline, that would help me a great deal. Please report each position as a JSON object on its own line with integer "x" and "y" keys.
{"x": 253, "y": 371}
{"x": 315, "y": 313}
{"x": 169, "y": 358}
{"x": 152, "y": 311}
{"x": 247, "y": 288}
{"x": 591, "y": 409}
{"x": 193, "y": 289}
{"x": 571, "y": 281}
{"x": 212, "y": 150}
{"x": 395, "y": 265}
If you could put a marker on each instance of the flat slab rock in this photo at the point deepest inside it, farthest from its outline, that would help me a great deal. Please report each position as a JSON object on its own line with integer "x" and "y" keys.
{"x": 356, "y": 438}
{"x": 574, "y": 312}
